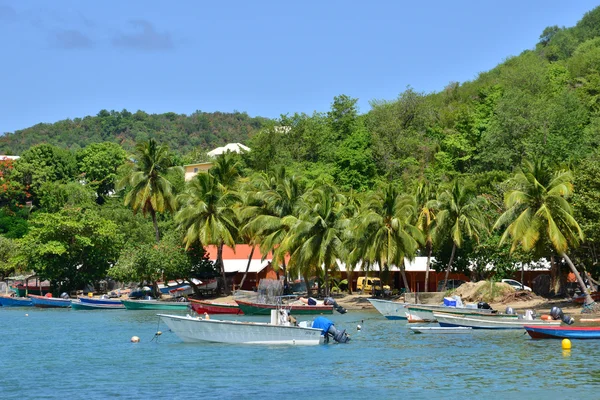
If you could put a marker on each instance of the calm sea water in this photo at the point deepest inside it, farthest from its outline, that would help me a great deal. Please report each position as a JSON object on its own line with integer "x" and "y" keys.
{"x": 69, "y": 354}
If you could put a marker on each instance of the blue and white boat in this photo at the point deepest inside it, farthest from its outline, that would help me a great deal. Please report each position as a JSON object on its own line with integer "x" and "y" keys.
{"x": 563, "y": 332}
{"x": 96, "y": 301}
{"x": 49, "y": 302}
{"x": 6, "y": 301}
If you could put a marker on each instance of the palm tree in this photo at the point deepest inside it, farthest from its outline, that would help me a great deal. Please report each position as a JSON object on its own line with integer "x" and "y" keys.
{"x": 425, "y": 221}
{"x": 315, "y": 238}
{"x": 150, "y": 190}
{"x": 281, "y": 196}
{"x": 459, "y": 216}
{"x": 538, "y": 215}
{"x": 208, "y": 217}
{"x": 389, "y": 236}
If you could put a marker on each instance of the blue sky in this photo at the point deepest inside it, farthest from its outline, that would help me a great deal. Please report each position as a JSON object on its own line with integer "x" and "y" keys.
{"x": 66, "y": 59}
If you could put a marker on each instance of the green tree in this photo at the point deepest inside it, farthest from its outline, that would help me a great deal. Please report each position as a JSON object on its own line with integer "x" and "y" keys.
{"x": 207, "y": 216}
{"x": 538, "y": 215}
{"x": 8, "y": 250}
{"x": 459, "y": 216}
{"x": 387, "y": 227}
{"x": 44, "y": 163}
{"x": 70, "y": 248}
{"x": 150, "y": 191}
{"x": 98, "y": 164}
{"x": 425, "y": 221}
{"x": 315, "y": 238}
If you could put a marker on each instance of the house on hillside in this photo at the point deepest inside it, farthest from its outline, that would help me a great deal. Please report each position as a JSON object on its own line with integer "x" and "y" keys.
{"x": 192, "y": 170}
{"x": 4, "y": 158}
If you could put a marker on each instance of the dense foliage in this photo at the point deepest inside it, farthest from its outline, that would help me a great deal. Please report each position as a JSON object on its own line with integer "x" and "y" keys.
{"x": 422, "y": 174}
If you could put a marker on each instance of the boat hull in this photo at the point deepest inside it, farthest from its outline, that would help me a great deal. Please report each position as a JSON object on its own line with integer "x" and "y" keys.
{"x": 209, "y": 307}
{"x": 196, "y": 329}
{"x": 390, "y": 309}
{"x": 483, "y": 322}
{"x": 424, "y": 312}
{"x": 49, "y": 302}
{"x": 79, "y": 305}
{"x": 15, "y": 301}
{"x": 249, "y": 308}
{"x": 96, "y": 301}
{"x": 440, "y": 329}
{"x": 154, "y": 305}
{"x": 563, "y": 332}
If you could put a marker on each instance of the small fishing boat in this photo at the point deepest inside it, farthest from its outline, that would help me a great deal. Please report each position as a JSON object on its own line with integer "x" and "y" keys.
{"x": 424, "y": 312}
{"x": 7, "y": 301}
{"x": 155, "y": 305}
{"x": 99, "y": 300}
{"x": 279, "y": 331}
{"x": 489, "y": 322}
{"x": 390, "y": 309}
{"x": 250, "y": 308}
{"x": 80, "y": 305}
{"x": 563, "y": 332}
{"x": 214, "y": 307}
{"x": 440, "y": 329}
{"x": 49, "y": 302}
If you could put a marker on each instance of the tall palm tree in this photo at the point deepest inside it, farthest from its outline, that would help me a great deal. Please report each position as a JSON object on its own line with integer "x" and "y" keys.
{"x": 425, "y": 221}
{"x": 389, "y": 236}
{"x": 208, "y": 216}
{"x": 538, "y": 215}
{"x": 150, "y": 191}
{"x": 459, "y": 216}
{"x": 315, "y": 238}
{"x": 281, "y": 195}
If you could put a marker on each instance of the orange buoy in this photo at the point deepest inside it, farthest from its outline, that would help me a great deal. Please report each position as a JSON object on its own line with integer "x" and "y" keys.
{"x": 546, "y": 317}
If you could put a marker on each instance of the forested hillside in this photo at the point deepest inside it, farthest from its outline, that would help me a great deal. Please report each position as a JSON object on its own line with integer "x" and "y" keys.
{"x": 182, "y": 133}
{"x": 498, "y": 171}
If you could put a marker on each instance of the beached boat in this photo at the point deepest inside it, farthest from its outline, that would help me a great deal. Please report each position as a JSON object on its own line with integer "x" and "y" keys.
{"x": 155, "y": 305}
{"x": 563, "y": 332}
{"x": 99, "y": 300}
{"x": 49, "y": 302}
{"x": 251, "y": 308}
{"x": 581, "y": 298}
{"x": 424, "y": 312}
{"x": 35, "y": 289}
{"x": 7, "y": 301}
{"x": 79, "y": 305}
{"x": 489, "y": 322}
{"x": 440, "y": 329}
{"x": 276, "y": 332}
{"x": 214, "y": 307}
{"x": 390, "y": 309}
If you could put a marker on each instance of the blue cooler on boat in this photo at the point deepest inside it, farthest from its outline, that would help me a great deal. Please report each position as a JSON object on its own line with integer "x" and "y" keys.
{"x": 449, "y": 302}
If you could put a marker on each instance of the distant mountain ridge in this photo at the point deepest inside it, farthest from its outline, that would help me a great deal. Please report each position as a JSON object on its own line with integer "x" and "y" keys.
{"x": 183, "y": 133}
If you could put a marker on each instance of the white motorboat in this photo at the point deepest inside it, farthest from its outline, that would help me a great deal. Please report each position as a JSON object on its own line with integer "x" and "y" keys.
{"x": 390, "y": 309}
{"x": 278, "y": 331}
{"x": 424, "y": 312}
{"x": 490, "y": 322}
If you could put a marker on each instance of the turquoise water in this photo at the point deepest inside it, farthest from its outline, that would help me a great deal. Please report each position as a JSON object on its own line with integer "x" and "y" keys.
{"x": 58, "y": 354}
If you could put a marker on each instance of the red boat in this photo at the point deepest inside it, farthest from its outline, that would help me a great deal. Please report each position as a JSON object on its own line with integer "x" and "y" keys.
{"x": 581, "y": 299}
{"x": 213, "y": 307}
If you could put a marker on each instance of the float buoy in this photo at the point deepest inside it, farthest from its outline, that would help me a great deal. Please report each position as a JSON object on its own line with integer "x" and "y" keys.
{"x": 358, "y": 327}
{"x": 566, "y": 344}
{"x": 27, "y": 315}
{"x": 135, "y": 339}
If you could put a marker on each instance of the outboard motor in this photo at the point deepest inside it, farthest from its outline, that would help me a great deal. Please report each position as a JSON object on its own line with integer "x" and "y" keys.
{"x": 330, "y": 301}
{"x": 328, "y": 329}
{"x": 64, "y": 295}
{"x": 509, "y": 310}
{"x": 483, "y": 305}
{"x": 557, "y": 313}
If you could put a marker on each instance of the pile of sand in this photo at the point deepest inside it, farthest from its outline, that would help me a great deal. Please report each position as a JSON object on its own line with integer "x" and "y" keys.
{"x": 484, "y": 291}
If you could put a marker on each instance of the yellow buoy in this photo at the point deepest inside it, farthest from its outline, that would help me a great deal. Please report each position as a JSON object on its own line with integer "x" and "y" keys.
{"x": 566, "y": 344}
{"x": 135, "y": 339}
